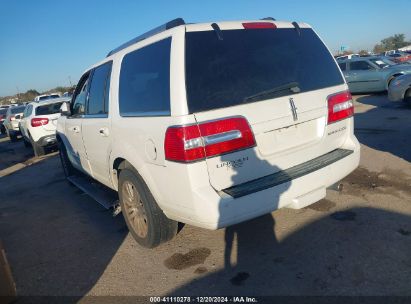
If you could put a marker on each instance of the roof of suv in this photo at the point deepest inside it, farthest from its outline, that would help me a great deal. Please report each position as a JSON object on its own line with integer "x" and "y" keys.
{"x": 192, "y": 27}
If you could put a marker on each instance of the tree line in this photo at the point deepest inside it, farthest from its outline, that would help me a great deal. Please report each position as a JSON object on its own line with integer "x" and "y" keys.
{"x": 29, "y": 95}
{"x": 394, "y": 42}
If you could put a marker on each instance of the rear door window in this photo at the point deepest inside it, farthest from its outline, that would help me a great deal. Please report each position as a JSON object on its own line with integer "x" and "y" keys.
{"x": 99, "y": 90}
{"x": 145, "y": 81}
{"x": 246, "y": 63}
{"x": 343, "y": 66}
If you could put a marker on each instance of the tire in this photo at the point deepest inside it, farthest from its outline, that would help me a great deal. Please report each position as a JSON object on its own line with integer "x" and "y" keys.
{"x": 2, "y": 129}
{"x": 13, "y": 137}
{"x": 38, "y": 150}
{"x": 68, "y": 168}
{"x": 407, "y": 96}
{"x": 145, "y": 220}
{"x": 26, "y": 143}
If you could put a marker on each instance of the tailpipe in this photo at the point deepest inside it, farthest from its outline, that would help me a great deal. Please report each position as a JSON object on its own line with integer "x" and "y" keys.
{"x": 337, "y": 187}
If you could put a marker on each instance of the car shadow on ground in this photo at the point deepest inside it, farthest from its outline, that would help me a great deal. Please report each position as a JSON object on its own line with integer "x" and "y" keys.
{"x": 12, "y": 153}
{"x": 59, "y": 241}
{"x": 358, "y": 257}
{"x": 386, "y": 127}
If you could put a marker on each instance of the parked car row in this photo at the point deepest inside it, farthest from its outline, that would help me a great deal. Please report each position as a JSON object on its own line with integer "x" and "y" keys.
{"x": 38, "y": 124}
{"x": 11, "y": 122}
{"x": 35, "y": 122}
{"x": 371, "y": 74}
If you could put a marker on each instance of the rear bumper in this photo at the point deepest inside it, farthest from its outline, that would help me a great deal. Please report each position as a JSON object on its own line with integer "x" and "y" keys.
{"x": 295, "y": 188}
{"x": 47, "y": 141}
{"x": 287, "y": 175}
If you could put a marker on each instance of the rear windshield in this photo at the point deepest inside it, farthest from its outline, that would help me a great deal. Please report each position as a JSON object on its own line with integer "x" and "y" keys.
{"x": 255, "y": 64}
{"x": 48, "y": 97}
{"x": 15, "y": 110}
{"x": 382, "y": 62}
{"x": 49, "y": 109}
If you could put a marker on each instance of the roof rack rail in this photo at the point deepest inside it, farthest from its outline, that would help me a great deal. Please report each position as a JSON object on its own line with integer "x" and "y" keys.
{"x": 268, "y": 18}
{"x": 159, "y": 29}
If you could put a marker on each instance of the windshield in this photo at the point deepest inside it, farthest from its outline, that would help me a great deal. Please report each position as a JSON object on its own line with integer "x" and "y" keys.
{"x": 252, "y": 65}
{"x": 382, "y": 62}
{"x": 48, "y": 109}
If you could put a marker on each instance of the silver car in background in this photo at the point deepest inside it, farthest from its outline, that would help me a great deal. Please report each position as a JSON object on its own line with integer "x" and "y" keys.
{"x": 400, "y": 89}
{"x": 371, "y": 74}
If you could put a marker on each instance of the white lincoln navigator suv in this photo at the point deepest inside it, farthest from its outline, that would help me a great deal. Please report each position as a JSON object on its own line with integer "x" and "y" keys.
{"x": 211, "y": 124}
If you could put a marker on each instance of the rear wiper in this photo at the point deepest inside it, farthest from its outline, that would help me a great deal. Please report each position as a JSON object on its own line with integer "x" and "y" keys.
{"x": 291, "y": 87}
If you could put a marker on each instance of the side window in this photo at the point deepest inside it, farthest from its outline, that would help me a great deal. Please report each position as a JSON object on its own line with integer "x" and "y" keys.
{"x": 80, "y": 96}
{"x": 25, "y": 113}
{"x": 343, "y": 66}
{"x": 99, "y": 90}
{"x": 360, "y": 66}
{"x": 28, "y": 111}
{"x": 145, "y": 81}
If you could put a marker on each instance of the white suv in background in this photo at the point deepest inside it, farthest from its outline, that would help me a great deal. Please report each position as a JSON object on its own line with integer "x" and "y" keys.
{"x": 211, "y": 124}
{"x": 38, "y": 125}
{"x": 47, "y": 96}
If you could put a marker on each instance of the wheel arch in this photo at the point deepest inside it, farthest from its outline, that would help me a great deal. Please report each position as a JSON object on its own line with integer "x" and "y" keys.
{"x": 391, "y": 78}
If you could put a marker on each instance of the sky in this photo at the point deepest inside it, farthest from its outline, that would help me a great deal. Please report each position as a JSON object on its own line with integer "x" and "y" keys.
{"x": 49, "y": 43}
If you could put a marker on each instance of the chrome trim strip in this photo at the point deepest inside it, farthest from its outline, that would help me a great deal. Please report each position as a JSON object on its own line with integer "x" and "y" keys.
{"x": 293, "y": 109}
{"x": 148, "y": 114}
{"x": 221, "y": 137}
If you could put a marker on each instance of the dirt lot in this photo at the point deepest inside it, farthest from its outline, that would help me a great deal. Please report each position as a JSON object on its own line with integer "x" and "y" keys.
{"x": 358, "y": 242}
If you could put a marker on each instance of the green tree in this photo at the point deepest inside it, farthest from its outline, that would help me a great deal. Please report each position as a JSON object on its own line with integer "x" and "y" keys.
{"x": 391, "y": 43}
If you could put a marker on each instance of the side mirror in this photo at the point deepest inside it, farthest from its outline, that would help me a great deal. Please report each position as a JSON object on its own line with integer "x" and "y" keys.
{"x": 65, "y": 109}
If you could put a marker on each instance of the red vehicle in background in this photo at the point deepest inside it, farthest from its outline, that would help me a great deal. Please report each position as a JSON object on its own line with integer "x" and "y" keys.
{"x": 399, "y": 57}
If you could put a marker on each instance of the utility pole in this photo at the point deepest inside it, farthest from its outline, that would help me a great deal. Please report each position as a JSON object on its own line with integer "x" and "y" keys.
{"x": 18, "y": 94}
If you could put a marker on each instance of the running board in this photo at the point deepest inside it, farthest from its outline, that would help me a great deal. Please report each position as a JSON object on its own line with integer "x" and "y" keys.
{"x": 103, "y": 195}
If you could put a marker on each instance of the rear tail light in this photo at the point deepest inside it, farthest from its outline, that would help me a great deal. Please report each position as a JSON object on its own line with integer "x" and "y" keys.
{"x": 196, "y": 142}
{"x": 340, "y": 106}
{"x": 37, "y": 122}
{"x": 259, "y": 25}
